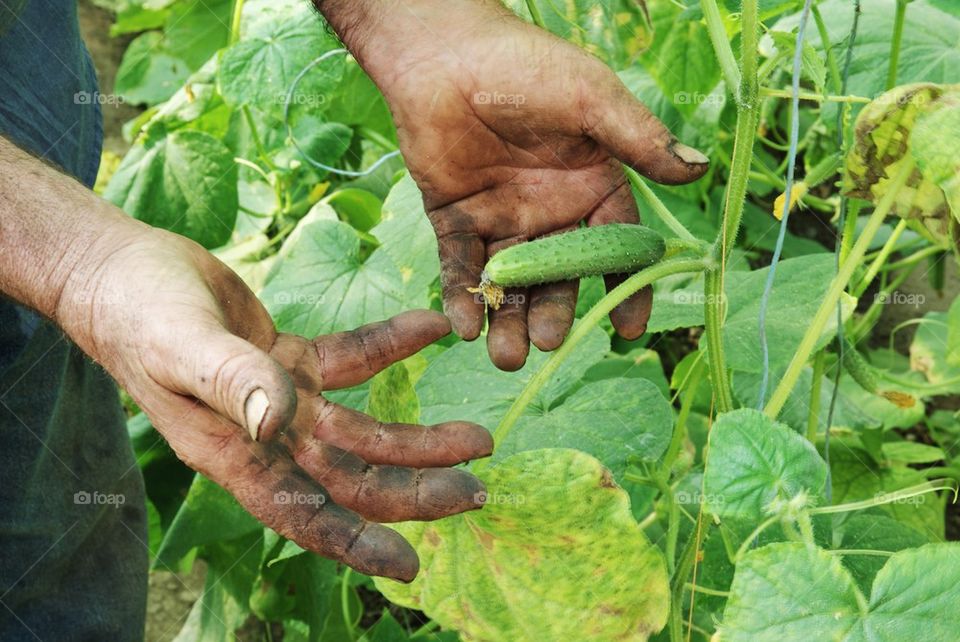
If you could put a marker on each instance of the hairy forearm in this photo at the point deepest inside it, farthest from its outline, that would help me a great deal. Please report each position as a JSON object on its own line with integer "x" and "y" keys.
{"x": 53, "y": 231}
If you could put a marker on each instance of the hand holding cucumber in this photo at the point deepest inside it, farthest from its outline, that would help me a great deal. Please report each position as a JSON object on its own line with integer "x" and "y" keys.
{"x": 511, "y": 134}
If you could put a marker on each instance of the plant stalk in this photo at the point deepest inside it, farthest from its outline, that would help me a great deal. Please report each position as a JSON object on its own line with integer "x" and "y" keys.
{"x": 658, "y": 207}
{"x": 714, "y": 313}
{"x": 721, "y": 45}
{"x": 837, "y": 286}
{"x": 235, "y": 19}
{"x": 898, "y": 22}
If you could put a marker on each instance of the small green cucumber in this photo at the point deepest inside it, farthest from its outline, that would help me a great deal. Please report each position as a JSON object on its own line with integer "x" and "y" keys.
{"x": 868, "y": 378}
{"x": 586, "y": 251}
{"x": 605, "y": 249}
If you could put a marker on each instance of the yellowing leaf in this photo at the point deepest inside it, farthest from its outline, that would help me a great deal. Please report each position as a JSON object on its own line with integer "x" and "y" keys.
{"x": 883, "y": 141}
{"x": 554, "y": 555}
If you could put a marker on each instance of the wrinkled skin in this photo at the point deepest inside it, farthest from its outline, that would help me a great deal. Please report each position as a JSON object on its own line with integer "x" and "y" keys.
{"x": 511, "y": 134}
{"x": 320, "y": 470}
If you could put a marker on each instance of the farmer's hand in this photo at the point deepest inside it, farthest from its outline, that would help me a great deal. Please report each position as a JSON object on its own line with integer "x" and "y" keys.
{"x": 511, "y": 133}
{"x": 238, "y": 402}
{"x": 173, "y": 326}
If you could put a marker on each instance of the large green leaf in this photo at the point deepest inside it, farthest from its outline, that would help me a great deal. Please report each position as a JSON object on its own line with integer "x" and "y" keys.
{"x": 197, "y": 29}
{"x": 322, "y": 283}
{"x": 875, "y": 532}
{"x": 789, "y": 591}
{"x": 149, "y": 73}
{"x": 185, "y": 182}
{"x": 554, "y": 555}
{"x": 686, "y": 68}
{"x": 461, "y": 382}
{"x": 928, "y": 49}
{"x": 753, "y": 461}
{"x": 934, "y": 143}
{"x": 615, "y": 420}
{"x": 277, "y": 45}
{"x": 392, "y": 397}
{"x": 857, "y": 476}
{"x": 931, "y": 348}
{"x": 209, "y": 514}
{"x": 407, "y": 236}
{"x": 799, "y": 288}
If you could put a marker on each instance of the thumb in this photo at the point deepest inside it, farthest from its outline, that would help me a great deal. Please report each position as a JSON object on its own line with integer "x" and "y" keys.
{"x": 624, "y": 126}
{"x": 237, "y": 380}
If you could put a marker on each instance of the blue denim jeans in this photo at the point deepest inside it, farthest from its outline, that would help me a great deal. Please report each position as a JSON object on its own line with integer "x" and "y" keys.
{"x": 73, "y": 543}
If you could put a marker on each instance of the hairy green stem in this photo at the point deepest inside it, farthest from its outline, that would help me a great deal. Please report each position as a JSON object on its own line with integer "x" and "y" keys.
{"x": 740, "y": 164}
{"x": 872, "y": 315}
{"x": 849, "y": 230}
{"x": 673, "y": 520}
{"x": 582, "y": 328}
{"x": 889, "y": 498}
{"x": 692, "y": 383}
{"x": 721, "y": 45}
{"x": 235, "y": 19}
{"x": 813, "y": 418}
{"x": 896, "y": 42}
{"x": 913, "y": 259}
{"x": 657, "y": 206}
{"x": 770, "y": 92}
{"x": 749, "y": 55}
{"x": 714, "y": 312}
{"x": 837, "y": 286}
{"x": 257, "y": 141}
{"x": 836, "y": 78}
{"x": 881, "y": 258}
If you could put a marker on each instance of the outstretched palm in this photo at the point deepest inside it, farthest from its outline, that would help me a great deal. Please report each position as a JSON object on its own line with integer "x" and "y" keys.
{"x": 512, "y": 134}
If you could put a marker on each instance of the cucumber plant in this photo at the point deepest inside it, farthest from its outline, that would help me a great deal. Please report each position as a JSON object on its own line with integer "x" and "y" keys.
{"x": 639, "y": 490}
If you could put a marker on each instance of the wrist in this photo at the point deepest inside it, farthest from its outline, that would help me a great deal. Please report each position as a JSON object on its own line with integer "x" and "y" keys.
{"x": 85, "y": 291}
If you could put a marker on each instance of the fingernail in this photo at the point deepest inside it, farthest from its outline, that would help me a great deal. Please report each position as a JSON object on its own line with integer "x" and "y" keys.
{"x": 688, "y": 154}
{"x": 254, "y": 410}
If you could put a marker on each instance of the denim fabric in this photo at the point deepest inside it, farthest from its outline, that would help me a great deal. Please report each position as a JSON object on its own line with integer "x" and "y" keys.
{"x": 73, "y": 557}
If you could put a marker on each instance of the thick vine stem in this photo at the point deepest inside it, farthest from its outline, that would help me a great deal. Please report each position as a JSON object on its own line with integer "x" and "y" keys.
{"x": 721, "y": 45}
{"x": 837, "y": 286}
{"x": 714, "y": 312}
{"x": 592, "y": 318}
